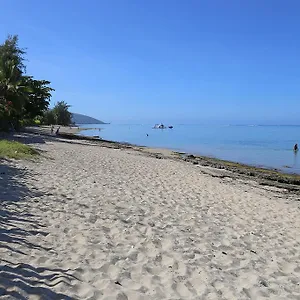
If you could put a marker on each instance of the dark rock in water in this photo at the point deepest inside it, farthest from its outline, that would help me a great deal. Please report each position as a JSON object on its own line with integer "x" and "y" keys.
{"x": 191, "y": 156}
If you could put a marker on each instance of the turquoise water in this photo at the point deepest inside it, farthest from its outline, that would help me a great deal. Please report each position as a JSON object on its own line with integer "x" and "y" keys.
{"x": 266, "y": 146}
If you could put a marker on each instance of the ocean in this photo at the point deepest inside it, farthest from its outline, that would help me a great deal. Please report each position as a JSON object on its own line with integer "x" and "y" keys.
{"x": 263, "y": 146}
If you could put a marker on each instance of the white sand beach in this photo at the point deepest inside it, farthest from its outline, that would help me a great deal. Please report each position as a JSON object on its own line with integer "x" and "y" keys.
{"x": 88, "y": 222}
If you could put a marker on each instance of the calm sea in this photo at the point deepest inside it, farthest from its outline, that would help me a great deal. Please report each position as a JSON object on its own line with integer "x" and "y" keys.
{"x": 267, "y": 146}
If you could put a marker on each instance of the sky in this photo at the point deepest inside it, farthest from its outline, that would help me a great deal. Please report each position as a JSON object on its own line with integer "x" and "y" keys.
{"x": 229, "y": 62}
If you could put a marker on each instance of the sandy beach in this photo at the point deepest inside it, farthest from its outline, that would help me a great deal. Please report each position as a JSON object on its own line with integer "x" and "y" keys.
{"x": 91, "y": 222}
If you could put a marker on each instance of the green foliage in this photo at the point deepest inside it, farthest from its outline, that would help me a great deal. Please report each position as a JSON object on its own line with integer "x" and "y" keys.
{"x": 24, "y": 99}
{"x": 21, "y": 96}
{"x": 10, "y": 51}
{"x": 62, "y": 114}
{"x": 59, "y": 115}
{"x": 16, "y": 150}
{"x": 49, "y": 118}
{"x": 12, "y": 92}
{"x": 30, "y": 122}
{"x": 38, "y": 97}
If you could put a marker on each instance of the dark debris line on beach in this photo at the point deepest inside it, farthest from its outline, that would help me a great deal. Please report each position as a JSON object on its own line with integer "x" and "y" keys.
{"x": 265, "y": 177}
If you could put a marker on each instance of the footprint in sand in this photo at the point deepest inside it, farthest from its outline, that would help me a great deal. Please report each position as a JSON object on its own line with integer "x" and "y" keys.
{"x": 182, "y": 290}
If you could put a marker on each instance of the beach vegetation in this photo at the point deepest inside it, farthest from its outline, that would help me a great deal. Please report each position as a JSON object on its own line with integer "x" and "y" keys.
{"x": 16, "y": 150}
{"x": 62, "y": 114}
{"x": 58, "y": 115}
{"x": 22, "y": 97}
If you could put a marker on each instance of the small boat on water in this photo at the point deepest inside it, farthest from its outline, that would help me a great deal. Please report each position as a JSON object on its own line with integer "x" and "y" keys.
{"x": 159, "y": 126}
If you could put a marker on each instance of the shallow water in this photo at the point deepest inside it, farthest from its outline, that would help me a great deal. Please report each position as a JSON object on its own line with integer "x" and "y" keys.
{"x": 267, "y": 146}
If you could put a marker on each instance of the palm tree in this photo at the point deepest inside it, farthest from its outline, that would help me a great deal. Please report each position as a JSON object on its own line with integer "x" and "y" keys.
{"x": 21, "y": 96}
{"x": 39, "y": 94}
{"x": 13, "y": 94}
{"x": 12, "y": 89}
{"x": 62, "y": 114}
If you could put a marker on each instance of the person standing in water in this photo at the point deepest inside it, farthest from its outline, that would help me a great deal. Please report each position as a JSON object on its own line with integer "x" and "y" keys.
{"x": 296, "y": 147}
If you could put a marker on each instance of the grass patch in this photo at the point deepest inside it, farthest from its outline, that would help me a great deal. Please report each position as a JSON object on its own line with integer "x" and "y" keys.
{"x": 16, "y": 150}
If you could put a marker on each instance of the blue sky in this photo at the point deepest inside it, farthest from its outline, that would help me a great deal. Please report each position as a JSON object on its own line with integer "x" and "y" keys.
{"x": 151, "y": 61}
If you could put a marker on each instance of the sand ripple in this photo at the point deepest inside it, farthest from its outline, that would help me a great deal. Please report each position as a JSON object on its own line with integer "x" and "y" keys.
{"x": 97, "y": 223}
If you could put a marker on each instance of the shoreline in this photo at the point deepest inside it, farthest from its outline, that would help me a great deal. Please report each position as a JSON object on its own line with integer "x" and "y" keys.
{"x": 284, "y": 169}
{"x": 220, "y": 168}
{"x": 45, "y": 129}
{"x": 117, "y": 221}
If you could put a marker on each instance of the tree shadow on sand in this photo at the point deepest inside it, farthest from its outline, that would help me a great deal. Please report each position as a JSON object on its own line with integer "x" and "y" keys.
{"x": 19, "y": 280}
{"x": 25, "y": 138}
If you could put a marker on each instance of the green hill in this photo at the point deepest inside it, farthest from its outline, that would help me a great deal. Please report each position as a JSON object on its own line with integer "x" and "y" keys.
{"x": 83, "y": 119}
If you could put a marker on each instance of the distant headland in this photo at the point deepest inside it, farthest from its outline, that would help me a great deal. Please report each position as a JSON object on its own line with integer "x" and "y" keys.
{"x": 83, "y": 119}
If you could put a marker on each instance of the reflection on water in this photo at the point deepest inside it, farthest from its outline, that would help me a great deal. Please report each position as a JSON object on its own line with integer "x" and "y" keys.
{"x": 295, "y": 159}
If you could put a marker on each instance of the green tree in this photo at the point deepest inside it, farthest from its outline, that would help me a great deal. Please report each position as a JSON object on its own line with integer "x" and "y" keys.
{"x": 21, "y": 96}
{"x": 10, "y": 51}
{"x": 38, "y": 98}
{"x": 62, "y": 114}
{"x": 49, "y": 117}
{"x": 12, "y": 85}
{"x": 13, "y": 93}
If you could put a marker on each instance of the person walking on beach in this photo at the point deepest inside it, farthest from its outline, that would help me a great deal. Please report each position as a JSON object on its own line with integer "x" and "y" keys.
{"x": 52, "y": 129}
{"x": 296, "y": 147}
{"x": 57, "y": 130}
